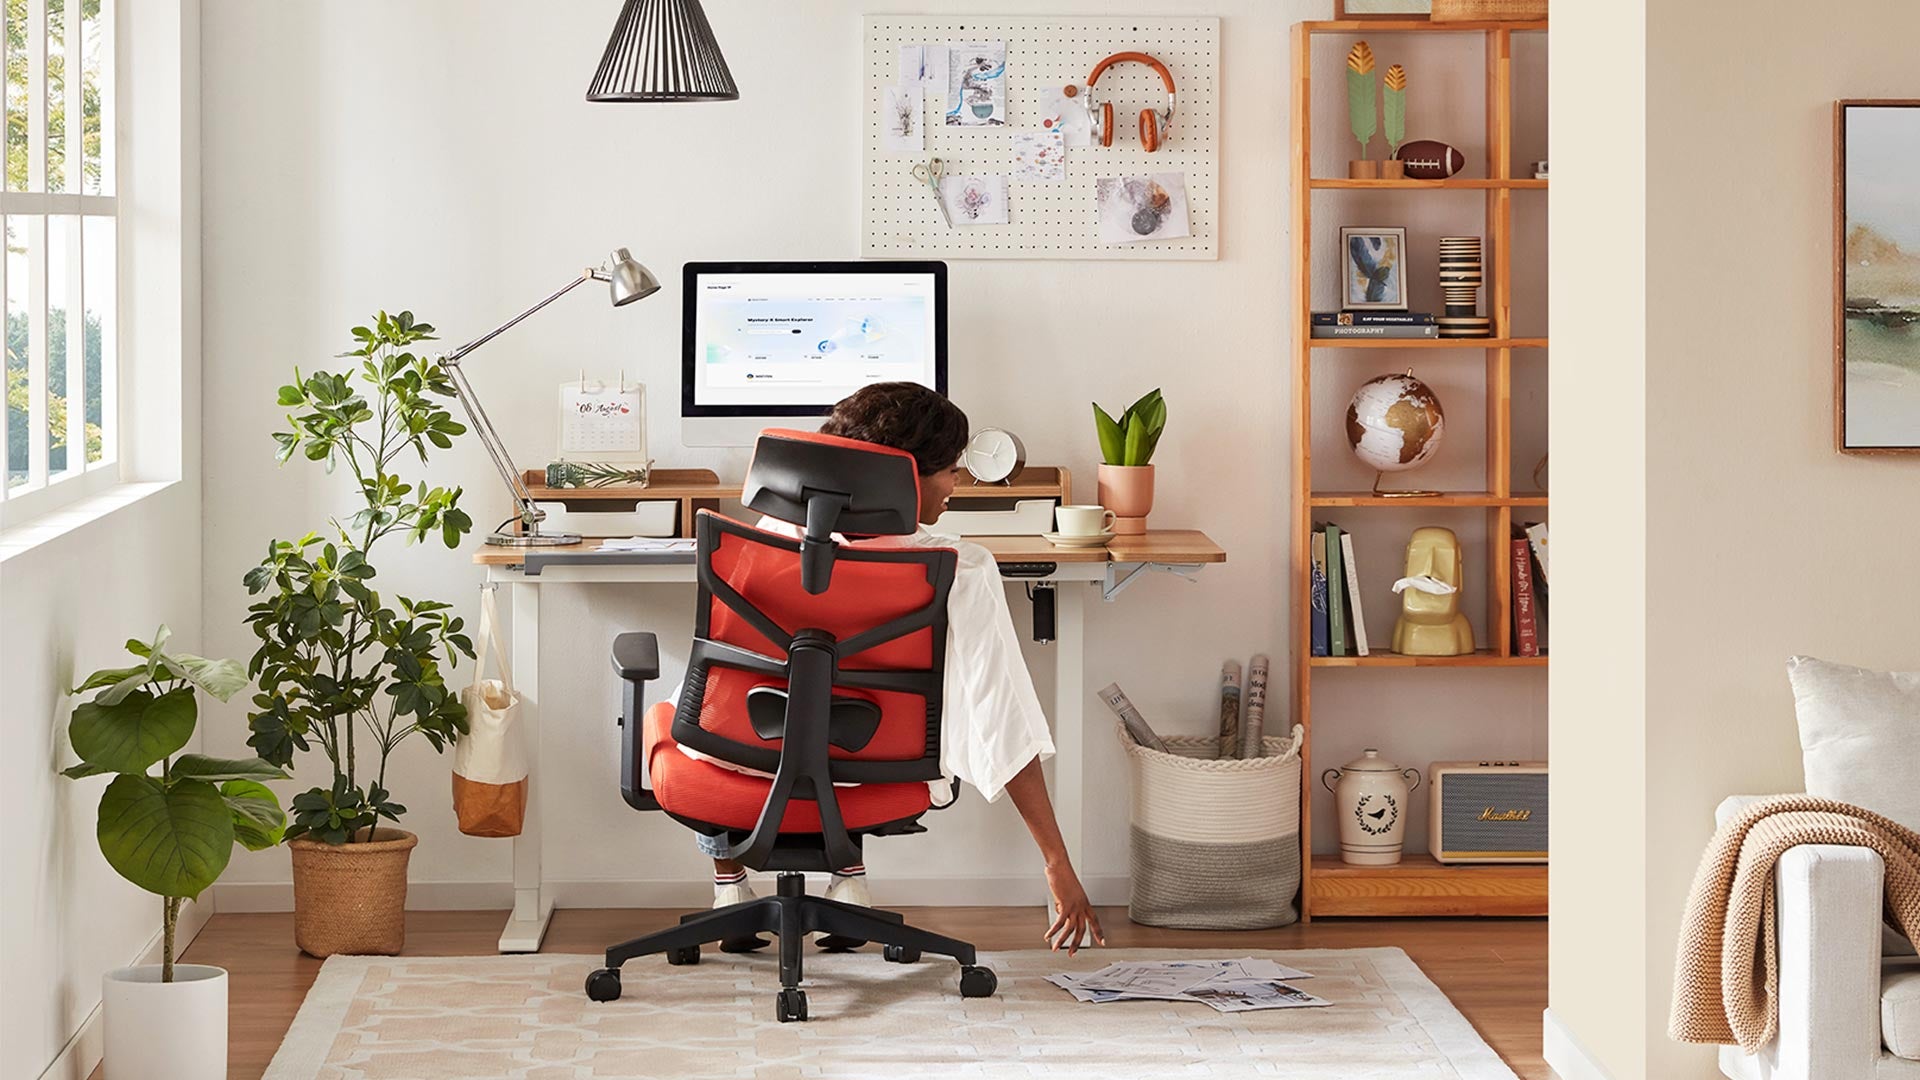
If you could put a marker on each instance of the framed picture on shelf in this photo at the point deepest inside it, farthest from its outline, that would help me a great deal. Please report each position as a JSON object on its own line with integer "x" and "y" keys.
{"x": 1373, "y": 268}
{"x": 1382, "y": 9}
{"x": 1876, "y": 277}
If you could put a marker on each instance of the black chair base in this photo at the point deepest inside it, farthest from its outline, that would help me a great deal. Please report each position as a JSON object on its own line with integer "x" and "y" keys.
{"x": 791, "y": 915}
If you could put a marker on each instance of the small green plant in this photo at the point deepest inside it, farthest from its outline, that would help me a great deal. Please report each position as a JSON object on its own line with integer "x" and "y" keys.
{"x": 1361, "y": 94}
{"x": 338, "y": 666}
{"x": 170, "y": 832}
{"x": 1130, "y": 440}
{"x": 1393, "y": 106}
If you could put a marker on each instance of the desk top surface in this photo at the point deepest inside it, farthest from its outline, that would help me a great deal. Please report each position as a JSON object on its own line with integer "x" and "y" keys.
{"x": 1181, "y": 546}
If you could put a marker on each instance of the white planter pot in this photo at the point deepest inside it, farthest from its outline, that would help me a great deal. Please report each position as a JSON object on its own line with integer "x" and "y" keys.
{"x": 165, "y": 1031}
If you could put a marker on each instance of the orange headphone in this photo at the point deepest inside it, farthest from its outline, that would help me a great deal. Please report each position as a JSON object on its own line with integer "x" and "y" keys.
{"x": 1154, "y": 124}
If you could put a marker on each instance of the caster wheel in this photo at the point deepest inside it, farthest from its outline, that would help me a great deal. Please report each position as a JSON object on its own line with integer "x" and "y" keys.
{"x": 790, "y": 1006}
{"x": 977, "y": 982}
{"x": 683, "y": 956}
{"x": 901, "y": 954}
{"x": 604, "y": 985}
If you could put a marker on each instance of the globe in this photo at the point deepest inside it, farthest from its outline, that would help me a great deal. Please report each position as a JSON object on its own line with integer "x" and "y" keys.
{"x": 1394, "y": 423}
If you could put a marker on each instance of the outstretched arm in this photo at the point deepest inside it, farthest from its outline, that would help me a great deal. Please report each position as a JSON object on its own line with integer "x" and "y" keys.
{"x": 1073, "y": 913}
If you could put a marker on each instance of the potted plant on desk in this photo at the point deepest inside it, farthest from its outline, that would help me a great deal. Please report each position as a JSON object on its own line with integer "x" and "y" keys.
{"x": 1126, "y": 449}
{"x": 341, "y": 669}
{"x": 171, "y": 832}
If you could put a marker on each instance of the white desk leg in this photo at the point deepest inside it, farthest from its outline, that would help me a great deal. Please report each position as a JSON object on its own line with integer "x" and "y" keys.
{"x": 1069, "y": 724}
{"x": 532, "y": 907}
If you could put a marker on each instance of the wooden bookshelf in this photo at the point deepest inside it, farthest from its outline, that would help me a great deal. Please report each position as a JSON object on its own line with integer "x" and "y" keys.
{"x": 1417, "y": 885}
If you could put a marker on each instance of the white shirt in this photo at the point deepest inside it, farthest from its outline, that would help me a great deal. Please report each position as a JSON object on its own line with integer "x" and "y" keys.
{"x": 992, "y": 724}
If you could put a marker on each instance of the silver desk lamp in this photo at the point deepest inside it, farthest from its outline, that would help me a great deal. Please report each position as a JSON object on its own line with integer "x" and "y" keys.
{"x": 627, "y": 281}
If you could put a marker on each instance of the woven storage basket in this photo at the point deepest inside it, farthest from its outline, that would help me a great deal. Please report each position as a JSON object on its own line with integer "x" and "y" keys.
{"x": 1215, "y": 844}
{"x": 1489, "y": 10}
{"x": 351, "y": 898}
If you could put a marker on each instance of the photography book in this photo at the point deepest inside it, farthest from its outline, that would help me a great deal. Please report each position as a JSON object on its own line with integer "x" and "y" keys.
{"x": 1373, "y": 318}
{"x": 1393, "y": 332}
{"x": 1136, "y": 724}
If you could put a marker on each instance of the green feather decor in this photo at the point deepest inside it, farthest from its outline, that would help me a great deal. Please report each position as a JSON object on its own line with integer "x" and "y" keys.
{"x": 1393, "y": 104}
{"x": 1360, "y": 94}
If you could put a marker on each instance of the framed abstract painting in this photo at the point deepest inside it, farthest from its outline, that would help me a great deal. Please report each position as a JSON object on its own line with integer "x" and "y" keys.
{"x": 1876, "y": 277}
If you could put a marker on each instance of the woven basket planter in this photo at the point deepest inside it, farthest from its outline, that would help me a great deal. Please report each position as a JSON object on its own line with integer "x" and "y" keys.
{"x": 1215, "y": 844}
{"x": 351, "y": 898}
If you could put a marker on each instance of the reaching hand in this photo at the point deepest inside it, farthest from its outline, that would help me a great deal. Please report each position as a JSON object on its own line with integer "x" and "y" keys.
{"x": 1073, "y": 913}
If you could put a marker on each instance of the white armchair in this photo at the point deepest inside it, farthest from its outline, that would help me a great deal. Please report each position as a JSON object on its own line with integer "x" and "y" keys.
{"x": 1849, "y": 991}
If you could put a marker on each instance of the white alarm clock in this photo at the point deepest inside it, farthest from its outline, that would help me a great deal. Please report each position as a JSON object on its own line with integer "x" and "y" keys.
{"x": 993, "y": 455}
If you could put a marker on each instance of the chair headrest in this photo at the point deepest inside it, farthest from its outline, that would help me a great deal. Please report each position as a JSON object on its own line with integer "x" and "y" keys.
{"x": 828, "y": 484}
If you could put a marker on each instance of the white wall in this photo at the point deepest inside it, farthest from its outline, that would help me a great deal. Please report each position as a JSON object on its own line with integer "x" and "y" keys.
{"x": 439, "y": 156}
{"x": 1770, "y": 542}
{"x": 77, "y": 584}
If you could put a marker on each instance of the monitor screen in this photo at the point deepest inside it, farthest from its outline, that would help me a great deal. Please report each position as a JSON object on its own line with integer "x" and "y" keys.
{"x": 791, "y": 339}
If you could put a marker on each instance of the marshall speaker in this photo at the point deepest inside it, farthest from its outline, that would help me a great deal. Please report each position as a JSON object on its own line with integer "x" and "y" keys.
{"x": 1487, "y": 811}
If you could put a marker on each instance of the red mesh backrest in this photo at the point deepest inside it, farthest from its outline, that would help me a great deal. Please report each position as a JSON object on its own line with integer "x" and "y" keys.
{"x": 862, "y": 595}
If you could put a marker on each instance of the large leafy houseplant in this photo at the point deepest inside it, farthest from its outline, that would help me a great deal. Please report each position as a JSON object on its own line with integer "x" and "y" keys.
{"x": 340, "y": 668}
{"x": 169, "y": 830}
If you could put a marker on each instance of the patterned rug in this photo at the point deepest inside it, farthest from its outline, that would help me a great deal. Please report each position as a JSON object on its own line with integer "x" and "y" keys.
{"x": 526, "y": 1017}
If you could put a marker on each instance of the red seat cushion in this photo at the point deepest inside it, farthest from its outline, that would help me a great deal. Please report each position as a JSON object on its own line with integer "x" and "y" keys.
{"x": 704, "y": 791}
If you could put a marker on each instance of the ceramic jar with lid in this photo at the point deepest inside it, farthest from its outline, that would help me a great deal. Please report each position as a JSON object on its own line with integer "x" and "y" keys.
{"x": 1370, "y": 801}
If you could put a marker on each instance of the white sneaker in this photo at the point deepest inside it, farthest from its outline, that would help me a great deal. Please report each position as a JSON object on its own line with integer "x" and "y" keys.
{"x": 847, "y": 889}
{"x": 728, "y": 894}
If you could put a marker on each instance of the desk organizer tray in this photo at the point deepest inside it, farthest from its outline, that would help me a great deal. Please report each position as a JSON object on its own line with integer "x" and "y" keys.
{"x": 610, "y": 517}
{"x": 982, "y": 517}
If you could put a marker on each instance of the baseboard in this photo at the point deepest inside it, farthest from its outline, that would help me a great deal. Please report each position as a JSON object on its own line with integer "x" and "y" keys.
{"x": 1565, "y": 1054}
{"x": 82, "y": 1054}
{"x": 498, "y": 895}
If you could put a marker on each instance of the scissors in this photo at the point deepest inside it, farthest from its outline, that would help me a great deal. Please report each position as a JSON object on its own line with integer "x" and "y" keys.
{"x": 929, "y": 173}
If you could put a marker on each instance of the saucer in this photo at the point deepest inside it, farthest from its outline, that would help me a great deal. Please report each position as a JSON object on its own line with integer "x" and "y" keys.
{"x": 1093, "y": 540}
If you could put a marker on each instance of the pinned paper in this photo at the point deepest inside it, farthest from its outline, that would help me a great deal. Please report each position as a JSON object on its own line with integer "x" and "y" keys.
{"x": 924, "y": 66}
{"x": 902, "y": 120}
{"x": 1039, "y": 157}
{"x": 1067, "y": 115}
{"x": 977, "y": 84}
{"x": 975, "y": 200}
{"x": 1134, "y": 209}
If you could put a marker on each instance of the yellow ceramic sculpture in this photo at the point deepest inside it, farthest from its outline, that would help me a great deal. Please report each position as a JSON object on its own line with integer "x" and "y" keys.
{"x": 1431, "y": 622}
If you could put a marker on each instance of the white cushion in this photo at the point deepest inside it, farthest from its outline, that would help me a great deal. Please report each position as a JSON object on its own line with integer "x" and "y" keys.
{"x": 1860, "y": 735}
{"x": 1900, "y": 1009}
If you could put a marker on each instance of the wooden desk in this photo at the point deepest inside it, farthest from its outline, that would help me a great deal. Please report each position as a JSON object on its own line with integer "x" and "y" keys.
{"x": 1111, "y": 569}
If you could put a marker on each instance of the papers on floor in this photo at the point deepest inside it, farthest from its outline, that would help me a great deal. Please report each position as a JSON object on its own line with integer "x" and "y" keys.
{"x": 1229, "y": 986}
{"x": 676, "y": 545}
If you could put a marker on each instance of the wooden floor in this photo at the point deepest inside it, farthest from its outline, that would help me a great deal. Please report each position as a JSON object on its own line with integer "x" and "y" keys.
{"x": 1495, "y": 970}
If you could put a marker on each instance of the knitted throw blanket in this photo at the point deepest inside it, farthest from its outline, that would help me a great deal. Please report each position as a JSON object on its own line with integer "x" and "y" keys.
{"x": 1725, "y": 981}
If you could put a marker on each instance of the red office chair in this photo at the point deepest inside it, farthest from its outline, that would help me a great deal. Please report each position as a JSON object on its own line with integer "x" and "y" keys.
{"x": 812, "y": 662}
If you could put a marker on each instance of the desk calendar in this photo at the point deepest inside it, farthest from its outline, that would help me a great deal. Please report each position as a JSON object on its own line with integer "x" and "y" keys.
{"x": 602, "y": 421}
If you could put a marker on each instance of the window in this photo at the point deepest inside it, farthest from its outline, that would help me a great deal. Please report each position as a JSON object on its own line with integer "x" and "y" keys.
{"x": 60, "y": 271}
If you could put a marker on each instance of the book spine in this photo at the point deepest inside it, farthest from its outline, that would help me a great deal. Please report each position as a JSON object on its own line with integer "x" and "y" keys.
{"x": 1230, "y": 709}
{"x": 1391, "y": 332}
{"x": 1336, "y": 596}
{"x": 1136, "y": 724}
{"x": 1537, "y": 534}
{"x": 1526, "y": 634}
{"x": 1319, "y": 593}
{"x": 1353, "y": 595}
{"x": 1372, "y": 318}
{"x": 1253, "y": 728}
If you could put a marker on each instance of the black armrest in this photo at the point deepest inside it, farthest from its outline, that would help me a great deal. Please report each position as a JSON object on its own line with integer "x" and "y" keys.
{"x": 636, "y": 656}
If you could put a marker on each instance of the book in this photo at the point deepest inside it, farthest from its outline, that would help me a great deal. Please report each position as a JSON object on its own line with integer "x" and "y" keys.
{"x": 1336, "y": 596}
{"x": 1537, "y": 536}
{"x": 1373, "y": 318}
{"x": 1136, "y": 724}
{"x": 1319, "y": 593}
{"x": 1526, "y": 639}
{"x": 1352, "y": 578}
{"x": 1393, "y": 332}
{"x": 1252, "y": 727}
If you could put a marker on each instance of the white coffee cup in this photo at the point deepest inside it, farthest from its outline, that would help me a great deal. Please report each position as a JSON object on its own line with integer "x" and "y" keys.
{"x": 1082, "y": 520}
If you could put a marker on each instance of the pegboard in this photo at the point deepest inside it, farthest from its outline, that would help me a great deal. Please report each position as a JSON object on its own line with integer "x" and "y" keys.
{"x": 899, "y": 216}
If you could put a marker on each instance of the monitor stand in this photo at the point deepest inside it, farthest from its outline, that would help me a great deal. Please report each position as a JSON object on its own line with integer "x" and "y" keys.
{"x": 739, "y": 430}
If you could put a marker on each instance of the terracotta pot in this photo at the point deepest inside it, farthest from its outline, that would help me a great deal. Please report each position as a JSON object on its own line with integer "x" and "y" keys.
{"x": 1393, "y": 169}
{"x": 1127, "y": 490}
{"x": 351, "y": 898}
{"x": 1363, "y": 169}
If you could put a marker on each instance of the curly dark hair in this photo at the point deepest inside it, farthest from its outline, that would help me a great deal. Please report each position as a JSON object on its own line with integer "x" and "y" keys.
{"x": 905, "y": 416}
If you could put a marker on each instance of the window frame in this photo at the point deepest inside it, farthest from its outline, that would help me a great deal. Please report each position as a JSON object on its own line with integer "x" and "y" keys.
{"x": 43, "y": 491}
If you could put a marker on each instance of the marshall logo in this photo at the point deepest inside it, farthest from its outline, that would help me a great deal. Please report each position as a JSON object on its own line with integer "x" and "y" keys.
{"x": 1490, "y": 814}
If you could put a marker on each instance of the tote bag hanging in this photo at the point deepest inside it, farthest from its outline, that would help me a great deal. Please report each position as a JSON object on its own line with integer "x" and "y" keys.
{"x": 489, "y": 763}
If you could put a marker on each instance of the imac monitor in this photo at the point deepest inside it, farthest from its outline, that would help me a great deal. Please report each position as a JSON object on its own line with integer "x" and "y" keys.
{"x": 776, "y": 344}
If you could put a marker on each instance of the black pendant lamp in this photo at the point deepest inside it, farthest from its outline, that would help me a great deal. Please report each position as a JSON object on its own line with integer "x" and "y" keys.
{"x": 662, "y": 50}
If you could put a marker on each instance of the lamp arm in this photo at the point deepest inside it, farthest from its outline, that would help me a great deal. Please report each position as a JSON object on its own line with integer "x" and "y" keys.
{"x": 454, "y": 357}
{"x": 530, "y": 515}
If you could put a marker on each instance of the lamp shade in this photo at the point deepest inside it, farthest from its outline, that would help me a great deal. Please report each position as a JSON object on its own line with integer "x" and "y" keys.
{"x": 627, "y": 280}
{"x": 662, "y": 50}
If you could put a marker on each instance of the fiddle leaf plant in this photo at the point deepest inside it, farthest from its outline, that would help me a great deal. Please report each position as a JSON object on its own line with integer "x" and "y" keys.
{"x": 1131, "y": 439}
{"x": 341, "y": 669}
{"x": 169, "y": 831}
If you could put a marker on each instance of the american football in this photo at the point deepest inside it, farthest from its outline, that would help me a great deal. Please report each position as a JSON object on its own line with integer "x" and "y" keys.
{"x": 1428, "y": 159}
